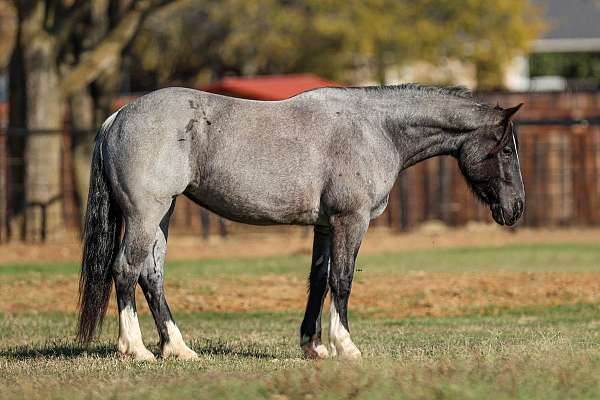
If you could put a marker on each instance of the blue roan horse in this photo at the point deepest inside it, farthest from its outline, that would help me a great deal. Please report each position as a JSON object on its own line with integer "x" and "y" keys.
{"x": 327, "y": 158}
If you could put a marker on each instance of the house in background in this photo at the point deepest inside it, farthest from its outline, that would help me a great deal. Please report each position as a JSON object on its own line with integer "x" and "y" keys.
{"x": 567, "y": 56}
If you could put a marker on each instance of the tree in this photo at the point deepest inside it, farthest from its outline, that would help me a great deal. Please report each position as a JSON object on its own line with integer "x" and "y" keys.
{"x": 43, "y": 74}
{"x": 491, "y": 34}
{"x": 7, "y": 31}
{"x": 334, "y": 37}
{"x": 390, "y": 32}
{"x": 208, "y": 39}
{"x": 582, "y": 70}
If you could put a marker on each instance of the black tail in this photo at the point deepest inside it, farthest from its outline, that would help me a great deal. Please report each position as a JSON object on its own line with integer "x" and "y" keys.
{"x": 102, "y": 232}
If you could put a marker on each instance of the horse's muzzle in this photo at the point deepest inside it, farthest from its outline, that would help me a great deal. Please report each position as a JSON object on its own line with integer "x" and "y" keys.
{"x": 507, "y": 216}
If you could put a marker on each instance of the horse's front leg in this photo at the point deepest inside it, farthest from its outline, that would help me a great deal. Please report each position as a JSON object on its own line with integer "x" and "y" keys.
{"x": 348, "y": 231}
{"x": 310, "y": 330}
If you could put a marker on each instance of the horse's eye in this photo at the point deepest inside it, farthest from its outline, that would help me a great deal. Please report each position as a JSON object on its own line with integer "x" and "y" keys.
{"x": 507, "y": 150}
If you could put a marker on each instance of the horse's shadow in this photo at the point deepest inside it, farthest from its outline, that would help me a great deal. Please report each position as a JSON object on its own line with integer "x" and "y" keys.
{"x": 65, "y": 350}
{"x": 28, "y": 352}
{"x": 219, "y": 348}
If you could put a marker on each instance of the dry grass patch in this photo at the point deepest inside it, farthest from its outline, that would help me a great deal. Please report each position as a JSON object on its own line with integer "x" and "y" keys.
{"x": 392, "y": 296}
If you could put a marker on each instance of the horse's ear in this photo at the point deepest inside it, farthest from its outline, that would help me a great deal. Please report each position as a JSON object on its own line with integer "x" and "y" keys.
{"x": 509, "y": 112}
{"x": 504, "y": 114}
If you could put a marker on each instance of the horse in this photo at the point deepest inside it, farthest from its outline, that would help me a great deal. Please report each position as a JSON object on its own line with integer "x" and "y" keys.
{"x": 327, "y": 157}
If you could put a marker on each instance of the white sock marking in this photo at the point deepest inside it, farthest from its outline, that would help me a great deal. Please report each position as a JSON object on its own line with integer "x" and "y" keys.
{"x": 175, "y": 346}
{"x": 130, "y": 336}
{"x": 339, "y": 337}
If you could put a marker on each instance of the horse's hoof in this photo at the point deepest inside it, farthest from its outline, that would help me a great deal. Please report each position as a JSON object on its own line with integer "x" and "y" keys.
{"x": 315, "y": 351}
{"x": 353, "y": 355}
{"x": 345, "y": 350}
{"x": 179, "y": 352}
{"x": 188, "y": 354}
{"x": 333, "y": 350}
{"x": 144, "y": 356}
{"x": 137, "y": 352}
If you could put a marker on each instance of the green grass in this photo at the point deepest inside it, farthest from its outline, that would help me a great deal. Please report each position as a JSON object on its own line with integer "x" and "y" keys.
{"x": 531, "y": 352}
{"x": 527, "y": 258}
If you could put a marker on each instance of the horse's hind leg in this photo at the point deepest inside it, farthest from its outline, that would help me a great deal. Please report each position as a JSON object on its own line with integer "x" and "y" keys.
{"x": 152, "y": 283}
{"x": 310, "y": 330}
{"x": 348, "y": 231}
{"x": 140, "y": 231}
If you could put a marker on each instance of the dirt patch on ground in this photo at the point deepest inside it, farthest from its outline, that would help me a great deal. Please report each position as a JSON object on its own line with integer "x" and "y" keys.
{"x": 295, "y": 241}
{"x": 412, "y": 294}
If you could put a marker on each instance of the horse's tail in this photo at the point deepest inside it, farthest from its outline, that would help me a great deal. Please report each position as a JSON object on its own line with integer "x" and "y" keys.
{"x": 102, "y": 232}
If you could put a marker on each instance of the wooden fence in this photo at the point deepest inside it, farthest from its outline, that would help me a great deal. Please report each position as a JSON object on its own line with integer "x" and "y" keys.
{"x": 560, "y": 158}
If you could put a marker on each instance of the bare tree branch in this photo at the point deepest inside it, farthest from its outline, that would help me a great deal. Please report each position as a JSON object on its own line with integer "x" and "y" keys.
{"x": 31, "y": 16}
{"x": 107, "y": 52}
{"x": 64, "y": 26}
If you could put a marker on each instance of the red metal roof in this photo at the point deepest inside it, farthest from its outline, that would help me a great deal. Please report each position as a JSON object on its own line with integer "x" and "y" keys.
{"x": 273, "y": 87}
{"x": 122, "y": 100}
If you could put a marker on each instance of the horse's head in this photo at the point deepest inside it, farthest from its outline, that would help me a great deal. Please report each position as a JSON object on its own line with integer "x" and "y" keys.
{"x": 490, "y": 163}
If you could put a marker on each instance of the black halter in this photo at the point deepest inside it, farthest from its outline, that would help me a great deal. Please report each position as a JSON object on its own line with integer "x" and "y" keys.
{"x": 509, "y": 132}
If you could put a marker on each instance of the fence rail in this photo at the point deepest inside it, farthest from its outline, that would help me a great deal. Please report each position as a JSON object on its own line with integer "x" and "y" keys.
{"x": 560, "y": 160}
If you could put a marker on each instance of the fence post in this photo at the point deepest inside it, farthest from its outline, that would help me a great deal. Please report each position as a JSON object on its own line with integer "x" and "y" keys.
{"x": 3, "y": 186}
{"x": 403, "y": 195}
{"x": 444, "y": 196}
{"x": 205, "y": 222}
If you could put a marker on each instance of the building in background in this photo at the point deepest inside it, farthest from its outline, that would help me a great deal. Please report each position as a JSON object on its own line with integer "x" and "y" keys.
{"x": 567, "y": 56}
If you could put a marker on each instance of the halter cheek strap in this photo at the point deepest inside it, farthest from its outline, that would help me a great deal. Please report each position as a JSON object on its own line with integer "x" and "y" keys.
{"x": 506, "y": 135}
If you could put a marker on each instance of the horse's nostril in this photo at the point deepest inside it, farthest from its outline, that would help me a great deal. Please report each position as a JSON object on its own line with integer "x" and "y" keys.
{"x": 518, "y": 207}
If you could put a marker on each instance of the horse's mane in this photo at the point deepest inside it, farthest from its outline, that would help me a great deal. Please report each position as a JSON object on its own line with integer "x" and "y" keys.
{"x": 416, "y": 88}
{"x": 455, "y": 91}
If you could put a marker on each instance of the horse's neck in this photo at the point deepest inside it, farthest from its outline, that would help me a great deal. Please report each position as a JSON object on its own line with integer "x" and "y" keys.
{"x": 416, "y": 144}
{"x": 422, "y": 126}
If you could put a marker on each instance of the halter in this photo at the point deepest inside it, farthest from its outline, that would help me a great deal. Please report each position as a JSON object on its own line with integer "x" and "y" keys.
{"x": 507, "y": 134}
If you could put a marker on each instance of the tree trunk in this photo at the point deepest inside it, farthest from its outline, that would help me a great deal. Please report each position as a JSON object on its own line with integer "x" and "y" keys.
{"x": 45, "y": 76}
{"x": 16, "y": 144}
{"x": 43, "y": 150}
{"x": 82, "y": 126}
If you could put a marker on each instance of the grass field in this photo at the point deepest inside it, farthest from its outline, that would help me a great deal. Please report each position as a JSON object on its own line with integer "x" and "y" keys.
{"x": 515, "y": 321}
